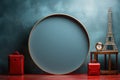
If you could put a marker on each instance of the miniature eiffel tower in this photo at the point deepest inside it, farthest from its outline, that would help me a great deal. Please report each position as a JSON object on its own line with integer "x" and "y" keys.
{"x": 110, "y": 43}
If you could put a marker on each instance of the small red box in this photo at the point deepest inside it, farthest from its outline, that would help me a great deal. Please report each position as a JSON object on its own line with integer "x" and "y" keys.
{"x": 94, "y": 69}
{"x": 16, "y": 64}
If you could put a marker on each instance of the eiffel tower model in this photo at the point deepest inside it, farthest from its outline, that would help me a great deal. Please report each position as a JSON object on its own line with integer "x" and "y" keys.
{"x": 110, "y": 43}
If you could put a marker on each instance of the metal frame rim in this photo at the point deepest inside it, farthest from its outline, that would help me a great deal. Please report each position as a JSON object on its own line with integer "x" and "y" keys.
{"x": 68, "y": 17}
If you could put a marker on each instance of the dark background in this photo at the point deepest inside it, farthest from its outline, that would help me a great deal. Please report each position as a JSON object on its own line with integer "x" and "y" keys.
{"x": 17, "y": 18}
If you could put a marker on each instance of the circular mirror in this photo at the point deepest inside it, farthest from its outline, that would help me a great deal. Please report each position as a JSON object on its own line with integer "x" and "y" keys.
{"x": 58, "y": 44}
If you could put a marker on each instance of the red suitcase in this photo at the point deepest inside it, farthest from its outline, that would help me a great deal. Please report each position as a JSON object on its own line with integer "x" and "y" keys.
{"x": 16, "y": 63}
{"x": 94, "y": 69}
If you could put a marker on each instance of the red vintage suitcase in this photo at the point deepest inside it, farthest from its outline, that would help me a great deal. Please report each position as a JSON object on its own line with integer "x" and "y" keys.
{"x": 94, "y": 69}
{"x": 16, "y": 63}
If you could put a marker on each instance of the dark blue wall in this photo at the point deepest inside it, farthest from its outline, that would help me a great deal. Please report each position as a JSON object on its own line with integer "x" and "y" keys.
{"x": 18, "y": 16}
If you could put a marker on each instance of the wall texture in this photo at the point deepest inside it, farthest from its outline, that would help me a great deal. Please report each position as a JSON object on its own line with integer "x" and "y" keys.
{"x": 18, "y": 16}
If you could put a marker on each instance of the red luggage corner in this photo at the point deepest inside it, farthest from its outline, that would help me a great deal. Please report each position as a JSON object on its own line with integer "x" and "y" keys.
{"x": 16, "y": 64}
